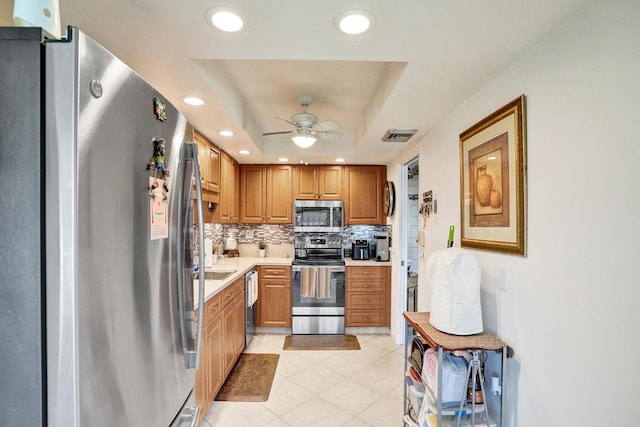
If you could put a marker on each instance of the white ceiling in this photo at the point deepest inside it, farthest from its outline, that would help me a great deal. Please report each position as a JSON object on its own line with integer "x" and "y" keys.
{"x": 421, "y": 60}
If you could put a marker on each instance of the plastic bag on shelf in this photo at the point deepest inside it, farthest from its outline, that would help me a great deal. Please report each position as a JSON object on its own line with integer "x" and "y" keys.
{"x": 454, "y": 378}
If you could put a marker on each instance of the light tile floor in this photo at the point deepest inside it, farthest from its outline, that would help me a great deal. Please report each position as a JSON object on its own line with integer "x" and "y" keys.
{"x": 354, "y": 388}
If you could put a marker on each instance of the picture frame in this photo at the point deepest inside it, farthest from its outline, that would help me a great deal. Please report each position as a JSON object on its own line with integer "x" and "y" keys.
{"x": 493, "y": 164}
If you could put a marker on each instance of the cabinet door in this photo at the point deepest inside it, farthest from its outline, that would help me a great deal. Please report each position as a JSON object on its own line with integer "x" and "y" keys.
{"x": 228, "y": 185}
{"x": 279, "y": 200}
{"x": 363, "y": 195}
{"x": 202, "y": 396}
{"x": 228, "y": 338}
{"x": 305, "y": 183}
{"x": 274, "y": 308}
{"x": 214, "y": 168}
{"x": 253, "y": 200}
{"x": 215, "y": 375}
{"x": 330, "y": 182}
{"x": 203, "y": 158}
{"x": 235, "y": 191}
{"x": 239, "y": 305}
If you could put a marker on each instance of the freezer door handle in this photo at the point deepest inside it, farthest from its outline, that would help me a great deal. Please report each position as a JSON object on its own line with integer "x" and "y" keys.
{"x": 188, "y": 417}
{"x": 190, "y": 348}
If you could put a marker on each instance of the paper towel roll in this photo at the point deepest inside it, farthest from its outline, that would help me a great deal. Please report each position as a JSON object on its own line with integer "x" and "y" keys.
{"x": 208, "y": 256}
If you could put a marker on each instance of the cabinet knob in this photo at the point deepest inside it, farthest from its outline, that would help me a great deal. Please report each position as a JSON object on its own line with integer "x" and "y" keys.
{"x": 365, "y": 301}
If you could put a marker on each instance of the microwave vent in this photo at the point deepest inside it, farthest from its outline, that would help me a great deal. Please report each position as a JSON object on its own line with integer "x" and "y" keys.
{"x": 398, "y": 135}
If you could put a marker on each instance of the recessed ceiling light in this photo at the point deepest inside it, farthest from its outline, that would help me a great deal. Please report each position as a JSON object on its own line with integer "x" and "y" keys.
{"x": 283, "y": 159}
{"x": 339, "y": 160}
{"x": 225, "y": 132}
{"x": 225, "y": 19}
{"x": 354, "y": 21}
{"x": 244, "y": 151}
{"x": 193, "y": 100}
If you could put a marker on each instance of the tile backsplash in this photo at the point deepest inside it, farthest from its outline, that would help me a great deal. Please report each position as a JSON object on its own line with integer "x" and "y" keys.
{"x": 278, "y": 234}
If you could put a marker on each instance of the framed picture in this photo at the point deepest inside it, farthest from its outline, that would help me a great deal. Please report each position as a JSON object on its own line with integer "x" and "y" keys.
{"x": 493, "y": 164}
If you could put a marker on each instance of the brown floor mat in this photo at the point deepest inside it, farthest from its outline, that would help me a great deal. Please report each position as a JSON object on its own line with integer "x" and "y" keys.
{"x": 251, "y": 378}
{"x": 321, "y": 342}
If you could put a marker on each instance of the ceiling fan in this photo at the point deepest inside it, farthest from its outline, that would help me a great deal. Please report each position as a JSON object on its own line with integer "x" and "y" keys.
{"x": 308, "y": 129}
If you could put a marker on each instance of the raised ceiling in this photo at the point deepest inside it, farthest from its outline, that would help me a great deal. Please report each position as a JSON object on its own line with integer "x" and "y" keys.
{"x": 421, "y": 60}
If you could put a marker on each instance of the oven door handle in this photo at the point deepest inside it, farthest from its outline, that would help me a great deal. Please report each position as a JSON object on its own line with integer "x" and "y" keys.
{"x": 332, "y": 268}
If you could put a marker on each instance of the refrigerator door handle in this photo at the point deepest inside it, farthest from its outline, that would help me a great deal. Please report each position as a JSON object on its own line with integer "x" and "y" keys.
{"x": 191, "y": 352}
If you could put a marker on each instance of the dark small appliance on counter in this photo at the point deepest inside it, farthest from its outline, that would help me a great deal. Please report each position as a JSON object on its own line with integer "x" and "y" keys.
{"x": 360, "y": 250}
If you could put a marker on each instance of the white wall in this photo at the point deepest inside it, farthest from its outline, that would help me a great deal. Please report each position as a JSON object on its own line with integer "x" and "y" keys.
{"x": 570, "y": 310}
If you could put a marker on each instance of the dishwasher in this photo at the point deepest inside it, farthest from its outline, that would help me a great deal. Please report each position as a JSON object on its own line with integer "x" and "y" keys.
{"x": 251, "y": 293}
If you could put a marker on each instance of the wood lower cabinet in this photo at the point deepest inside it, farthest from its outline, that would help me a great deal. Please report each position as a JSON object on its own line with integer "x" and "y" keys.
{"x": 362, "y": 194}
{"x": 209, "y": 375}
{"x": 223, "y": 338}
{"x": 233, "y": 336}
{"x": 273, "y": 308}
{"x": 368, "y": 296}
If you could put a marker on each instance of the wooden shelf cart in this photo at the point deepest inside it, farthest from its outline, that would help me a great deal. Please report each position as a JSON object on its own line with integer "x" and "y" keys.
{"x": 443, "y": 342}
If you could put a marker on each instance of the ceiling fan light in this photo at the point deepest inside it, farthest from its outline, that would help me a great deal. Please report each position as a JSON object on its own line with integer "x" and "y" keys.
{"x": 354, "y": 21}
{"x": 303, "y": 140}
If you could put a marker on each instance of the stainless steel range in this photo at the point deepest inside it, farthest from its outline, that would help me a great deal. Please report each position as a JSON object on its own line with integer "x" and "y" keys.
{"x": 318, "y": 280}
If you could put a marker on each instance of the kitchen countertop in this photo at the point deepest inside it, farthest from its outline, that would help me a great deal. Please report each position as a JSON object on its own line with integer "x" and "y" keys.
{"x": 364, "y": 263}
{"x": 241, "y": 265}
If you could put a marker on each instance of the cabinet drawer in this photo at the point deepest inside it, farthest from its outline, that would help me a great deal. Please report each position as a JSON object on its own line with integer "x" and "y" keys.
{"x": 274, "y": 272}
{"x": 365, "y": 318}
{"x": 367, "y": 272}
{"x": 231, "y": 291}
{"x": 212, "y": 308}
{"x": 365, "y": 300}
{"x": 369, "y": 286}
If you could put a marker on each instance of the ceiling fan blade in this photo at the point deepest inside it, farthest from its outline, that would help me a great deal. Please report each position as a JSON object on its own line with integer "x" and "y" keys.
{"x": 326, "y": 125}
{"x": 288, "y": 121}
{"x": 332, "y": 136}
{"x": 282, "y": 132}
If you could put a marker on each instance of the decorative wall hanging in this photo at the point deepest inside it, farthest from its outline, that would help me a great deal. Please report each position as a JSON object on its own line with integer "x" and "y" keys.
{"x": 493, "y": 165}
{"x": 389, "y": 193}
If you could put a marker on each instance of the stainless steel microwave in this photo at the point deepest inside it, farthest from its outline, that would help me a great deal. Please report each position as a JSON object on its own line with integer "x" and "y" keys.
{"x": 317, "y": 216}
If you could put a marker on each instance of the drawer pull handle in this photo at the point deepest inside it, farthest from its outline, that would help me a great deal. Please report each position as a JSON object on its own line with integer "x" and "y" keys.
{"x": 364, "y": 300}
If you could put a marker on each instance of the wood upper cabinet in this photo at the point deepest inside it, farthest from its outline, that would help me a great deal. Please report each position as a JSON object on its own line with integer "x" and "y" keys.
{"x": 279, "y": 200}
{"x": 214, "y": 169}
{"x": 227, "y": 210}
{"x": 317, "y": 182}
{"x": 273, "y": 307}
{"x": 362, "y": 194}
{"x": 253, "y": 194}
{"x": 209, "y": 161}
{"x": 266, "y": 194}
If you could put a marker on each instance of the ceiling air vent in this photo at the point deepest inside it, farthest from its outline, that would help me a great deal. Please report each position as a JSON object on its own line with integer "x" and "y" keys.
{"x": 399, "y": 135}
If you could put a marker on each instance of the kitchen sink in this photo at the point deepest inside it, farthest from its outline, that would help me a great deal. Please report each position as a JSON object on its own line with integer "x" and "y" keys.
{"x": 217, "y": 275}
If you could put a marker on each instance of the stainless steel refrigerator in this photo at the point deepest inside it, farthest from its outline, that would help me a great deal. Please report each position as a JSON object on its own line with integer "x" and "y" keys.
{"x": 96, "y": 296}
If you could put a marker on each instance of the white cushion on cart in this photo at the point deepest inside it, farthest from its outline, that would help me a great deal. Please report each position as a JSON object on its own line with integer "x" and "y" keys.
{"x": 453, "y": 277}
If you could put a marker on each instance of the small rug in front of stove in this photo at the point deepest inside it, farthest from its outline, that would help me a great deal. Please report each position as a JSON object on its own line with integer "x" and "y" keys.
{"x": 321, "y": 342}
{"x": 251, "y": 378}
